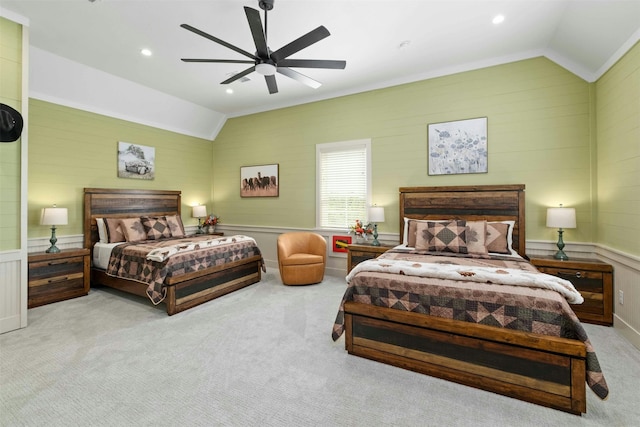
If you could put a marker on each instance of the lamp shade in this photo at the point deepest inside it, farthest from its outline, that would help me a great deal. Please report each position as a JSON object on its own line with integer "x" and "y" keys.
{"x": 561, "y": 217}
{"x": 199, "y": 211}
{"x": 376, "y": 214}
{"x": 54, "y": 216}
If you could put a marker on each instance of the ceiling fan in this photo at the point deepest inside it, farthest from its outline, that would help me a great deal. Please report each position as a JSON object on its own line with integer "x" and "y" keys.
{"x": 267, "y": 62}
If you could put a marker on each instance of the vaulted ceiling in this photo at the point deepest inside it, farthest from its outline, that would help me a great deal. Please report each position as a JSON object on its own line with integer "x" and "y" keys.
{"x": 383, "y": 42}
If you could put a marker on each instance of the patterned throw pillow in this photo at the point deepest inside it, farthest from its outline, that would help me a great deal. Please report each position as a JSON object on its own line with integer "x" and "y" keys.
{"x": 156, "y": 227}
{"x": 476, "y": 236}
{"x": 175, "y": 225}
{"x": 496, "y": 241}
{"x": 442, "y": 236}
{"x": 412, "y": 225}
{"x": 133, "y": 229}
{"x": 114, "y": 230}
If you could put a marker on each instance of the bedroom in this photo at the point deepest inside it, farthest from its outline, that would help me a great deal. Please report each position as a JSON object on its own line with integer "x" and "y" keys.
{"x": 528, "y": 103}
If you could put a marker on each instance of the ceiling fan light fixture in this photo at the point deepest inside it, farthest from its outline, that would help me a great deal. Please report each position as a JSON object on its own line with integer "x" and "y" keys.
{"x": 266, "y": 69}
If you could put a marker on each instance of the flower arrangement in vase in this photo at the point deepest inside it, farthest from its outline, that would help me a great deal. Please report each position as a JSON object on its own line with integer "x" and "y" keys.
{"x": 210, "y": 223}
{"x": 361, "y": 231}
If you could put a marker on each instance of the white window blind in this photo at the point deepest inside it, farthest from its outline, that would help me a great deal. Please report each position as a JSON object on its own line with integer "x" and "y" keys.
{"x": 343, "y": 183}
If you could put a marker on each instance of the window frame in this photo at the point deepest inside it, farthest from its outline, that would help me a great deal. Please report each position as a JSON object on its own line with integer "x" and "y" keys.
{"x": 342, "y": 146}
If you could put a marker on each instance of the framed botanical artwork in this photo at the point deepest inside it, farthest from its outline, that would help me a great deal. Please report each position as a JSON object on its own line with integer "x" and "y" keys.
{"x": 457, "y": 147}
{"x": 259, "y": 181}
{"x": 340, "y": 243}
{"x": 136, "y": 161}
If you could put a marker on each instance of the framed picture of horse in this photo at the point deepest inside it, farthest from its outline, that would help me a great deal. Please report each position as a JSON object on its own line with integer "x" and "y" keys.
{"x": 259, "y": 181}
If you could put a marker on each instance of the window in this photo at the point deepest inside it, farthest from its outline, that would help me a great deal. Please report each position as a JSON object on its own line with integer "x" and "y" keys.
{"x": 343, "y": 182}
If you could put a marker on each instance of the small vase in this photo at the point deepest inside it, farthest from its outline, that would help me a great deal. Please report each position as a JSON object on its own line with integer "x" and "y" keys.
{"x": 211, "y": 229}
{"x": 360, "y": 239}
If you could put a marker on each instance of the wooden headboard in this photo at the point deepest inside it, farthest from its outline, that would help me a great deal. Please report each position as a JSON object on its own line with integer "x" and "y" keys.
{"x": 121, "y": 203}
{"x": 479, "y": 202}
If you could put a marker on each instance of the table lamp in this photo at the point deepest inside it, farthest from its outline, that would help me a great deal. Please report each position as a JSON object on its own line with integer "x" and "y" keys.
{"x": 54, "y": 216}
{"x": 561, "y": 218}
{"x": 199, "y": 212}
{"x": 376, "y": 215}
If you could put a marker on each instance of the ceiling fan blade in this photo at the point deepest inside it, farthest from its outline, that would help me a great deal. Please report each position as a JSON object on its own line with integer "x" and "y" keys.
{"x": 221, "y": 61}
{"x": 255, "y": 24}
{"x": 300, "y": 43}
{"x": 239, "y": 75}
{"x": 313, "y": 63}
{"x": 299, "y": 77}
{"x": 271, "y": 84}
{"x": 217, "y": 40}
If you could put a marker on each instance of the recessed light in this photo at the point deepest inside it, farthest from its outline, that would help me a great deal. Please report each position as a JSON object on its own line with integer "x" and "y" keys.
{"x": 498, "y": 19}
{"x": 229, "y": 91}
{"x": 146, "y": 52}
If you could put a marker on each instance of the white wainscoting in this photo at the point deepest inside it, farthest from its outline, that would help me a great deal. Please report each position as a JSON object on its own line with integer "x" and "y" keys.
{"x": 12, "y": 273}
{"x": 626, "y": 276}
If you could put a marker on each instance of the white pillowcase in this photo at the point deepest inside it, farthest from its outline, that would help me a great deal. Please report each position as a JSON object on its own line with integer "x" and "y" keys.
{"x": 102, "y": 231}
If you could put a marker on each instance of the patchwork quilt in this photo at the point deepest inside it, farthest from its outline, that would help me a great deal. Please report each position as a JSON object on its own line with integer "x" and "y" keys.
{"x": 498, "y": 291}
{"x": 153, "y": 261}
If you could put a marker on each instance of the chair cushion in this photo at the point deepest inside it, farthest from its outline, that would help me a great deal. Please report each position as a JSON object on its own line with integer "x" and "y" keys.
{"x": 302, "y": 259}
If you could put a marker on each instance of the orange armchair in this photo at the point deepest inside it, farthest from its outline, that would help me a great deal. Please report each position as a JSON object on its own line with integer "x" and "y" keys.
{"x": 302, "y": 257}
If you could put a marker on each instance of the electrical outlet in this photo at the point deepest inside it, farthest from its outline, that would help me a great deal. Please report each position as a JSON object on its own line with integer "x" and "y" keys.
{"x": 621, "y": 297}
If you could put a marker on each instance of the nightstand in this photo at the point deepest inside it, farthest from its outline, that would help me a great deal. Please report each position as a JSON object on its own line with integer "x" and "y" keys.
{"x": 57, "y": 277}
{"x": 358, "y": 252}
{"x": 592, "y": 278}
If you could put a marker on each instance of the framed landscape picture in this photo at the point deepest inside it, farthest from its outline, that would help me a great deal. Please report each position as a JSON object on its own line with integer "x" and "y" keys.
{"x": 340, "y": 243}
{"x": 457, "y": 147}
{"x": 259, "y": 181}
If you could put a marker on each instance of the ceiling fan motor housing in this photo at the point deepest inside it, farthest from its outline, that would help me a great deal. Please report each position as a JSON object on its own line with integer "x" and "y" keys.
{"x": 266, "y": 4}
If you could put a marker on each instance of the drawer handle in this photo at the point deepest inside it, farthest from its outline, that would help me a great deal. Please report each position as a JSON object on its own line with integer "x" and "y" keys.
{"x": 58, "y": 262}
{"x": 577, "y": 275}
{"x": 58, "y": 279}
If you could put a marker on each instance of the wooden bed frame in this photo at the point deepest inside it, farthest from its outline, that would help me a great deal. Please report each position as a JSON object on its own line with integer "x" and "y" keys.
{"x": 545, "y": 370}
{"x": 182, "y": 292}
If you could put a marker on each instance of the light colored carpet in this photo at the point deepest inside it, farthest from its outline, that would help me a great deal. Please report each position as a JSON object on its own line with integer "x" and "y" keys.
{"x": 260, "y": 356}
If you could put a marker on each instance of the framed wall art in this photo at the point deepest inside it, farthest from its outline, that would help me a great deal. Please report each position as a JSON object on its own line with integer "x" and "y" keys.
{"x": 259, "y": 181}
{"x": 457, "y": 147}
{"x": 136, "y": 161}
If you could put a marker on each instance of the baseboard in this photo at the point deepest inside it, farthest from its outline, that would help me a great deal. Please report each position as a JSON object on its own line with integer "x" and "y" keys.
{"x": 629, "y": 333}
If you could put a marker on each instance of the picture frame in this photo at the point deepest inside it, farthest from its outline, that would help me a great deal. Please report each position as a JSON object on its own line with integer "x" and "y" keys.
{"x": 338, "y": 243}
{"x": 260, "y": 181}
{"x": 136, "y": 161}
{"x": 457, "y": 147}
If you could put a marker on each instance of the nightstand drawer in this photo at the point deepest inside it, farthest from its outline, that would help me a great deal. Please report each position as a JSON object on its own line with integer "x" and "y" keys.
{"x": 592, "y": 278}
{"x": 57, "y": 277}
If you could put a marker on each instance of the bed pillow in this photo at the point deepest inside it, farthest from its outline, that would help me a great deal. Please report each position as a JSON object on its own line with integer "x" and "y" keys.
{"x": 476, "y": 237}
{"x": 102, "y": 230}
{"x": 410, "y": 226}
{"x": 133, "y": 229}
{"x": 114, "y": 230}
{"x": 442, "y": 236}
{"x": 156, "y": 227}
{"x": 500, "y": 237}
{"x": 175, "y": 225}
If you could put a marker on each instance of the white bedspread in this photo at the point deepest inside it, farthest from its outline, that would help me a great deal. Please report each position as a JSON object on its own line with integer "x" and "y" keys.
{"x": 500, "y": 276}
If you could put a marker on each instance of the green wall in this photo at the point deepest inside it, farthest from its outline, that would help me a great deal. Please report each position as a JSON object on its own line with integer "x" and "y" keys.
{"x": 618, "y": 134}
{"x": 539, "y": 134}
{"x": 70, "y": 149}
{"x": 10, "y": 94}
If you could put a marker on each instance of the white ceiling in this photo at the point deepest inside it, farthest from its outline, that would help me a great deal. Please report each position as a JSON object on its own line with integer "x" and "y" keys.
{"x": 446, "y": 36}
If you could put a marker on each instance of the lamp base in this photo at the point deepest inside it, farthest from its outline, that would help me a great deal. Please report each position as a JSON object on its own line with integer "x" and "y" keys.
{"x": 375, "y": 236}
{"x": 560, "y": 254}
{"x": 53, "y": 249}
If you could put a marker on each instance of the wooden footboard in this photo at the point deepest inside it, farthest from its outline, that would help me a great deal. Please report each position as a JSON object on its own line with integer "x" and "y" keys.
{"x": 192, "y": 289}
{"x": 545, "y": 370}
